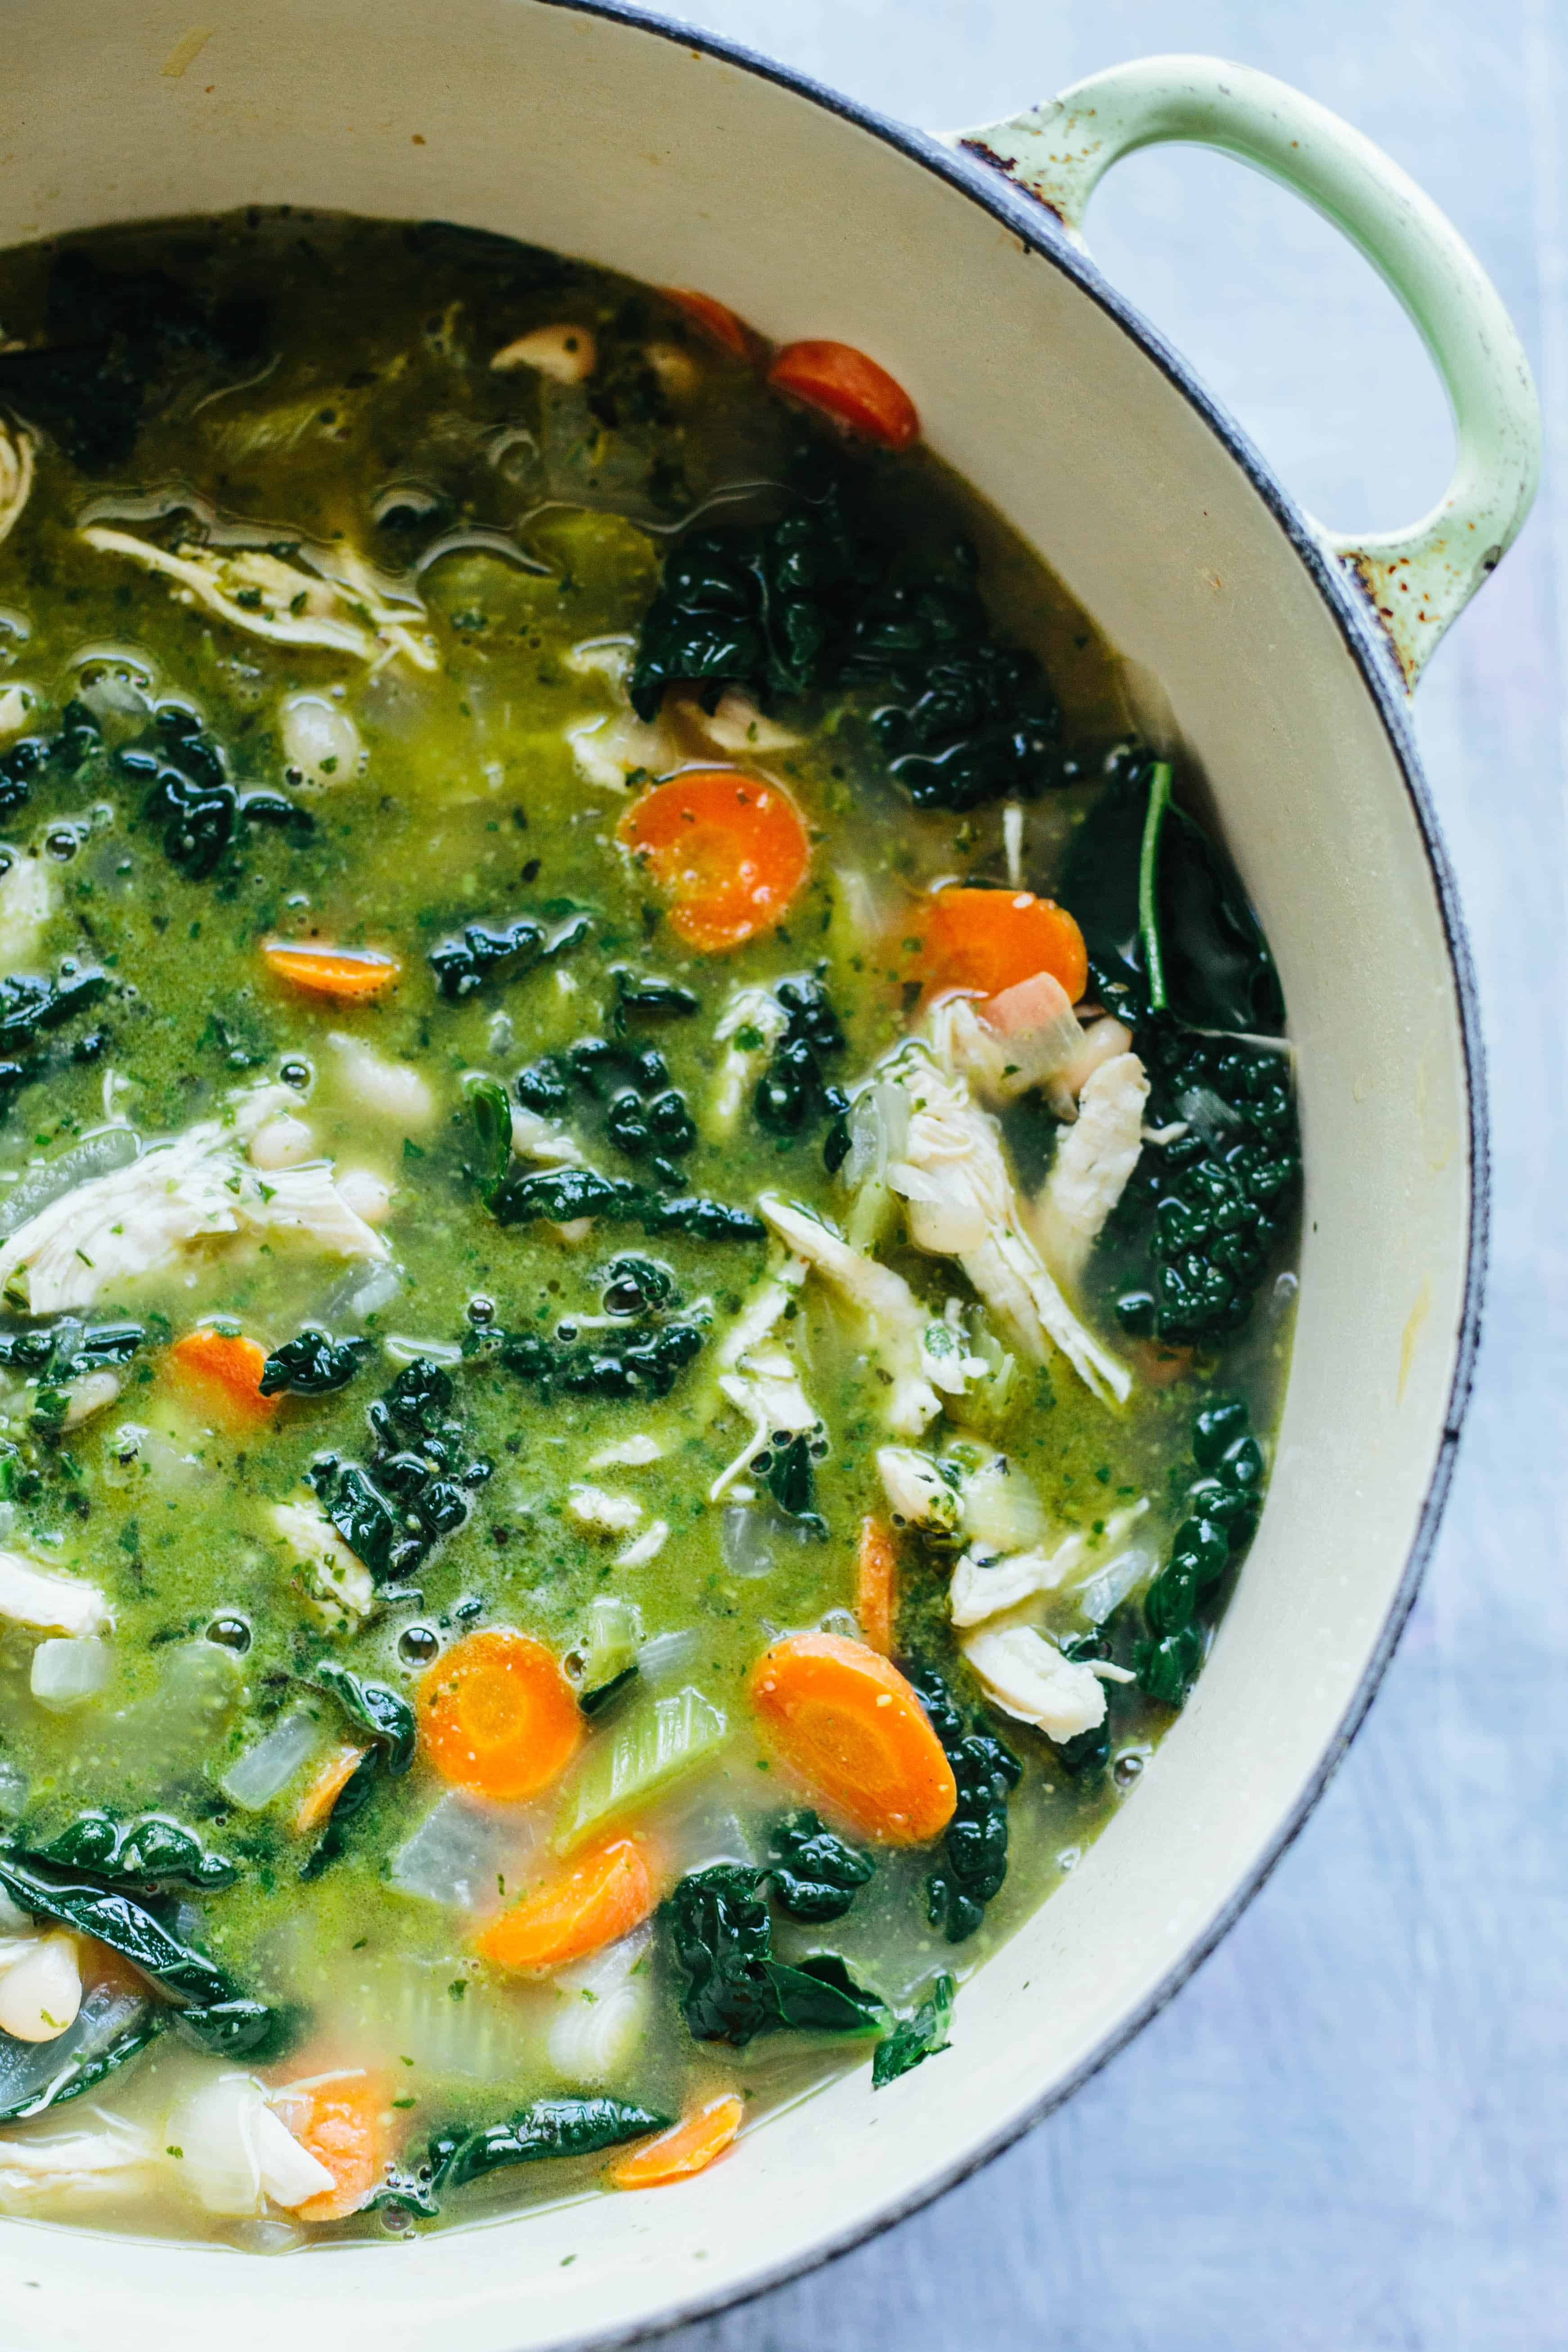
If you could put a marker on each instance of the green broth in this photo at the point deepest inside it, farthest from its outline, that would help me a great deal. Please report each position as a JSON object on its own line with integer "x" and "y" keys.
{"x": 530, "y": 518}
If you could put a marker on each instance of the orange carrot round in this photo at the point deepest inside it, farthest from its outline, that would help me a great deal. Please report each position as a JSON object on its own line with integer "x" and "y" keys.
{"x": 852, "y": 1727}
{"x": 599, "y": 1899}
{"x": 690, "y": 2145}
{"x": 342, "y": 973}
{"x": 497, "y": 1715}
{"x": 989, "y": 940}
{"x": 728, "y": 852}
{"x": 876, "y": 1575}
{"x": 345, "y": 2121}
{"x": 227, "y": 1371}
{"x": 330, "y": 1777}
{"x": 842, "y": 383}
{"x": 713, "y": 319}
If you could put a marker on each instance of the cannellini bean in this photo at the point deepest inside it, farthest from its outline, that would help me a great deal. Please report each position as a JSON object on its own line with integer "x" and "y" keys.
{"x": 40, "y": 1988}
{"x": 565, "y": 354}
{"x": 320, "y": 742}
{"x": 368, "y": 1196}
{"x": 281, "y": 1143}
{"x": 389, "y": 1090}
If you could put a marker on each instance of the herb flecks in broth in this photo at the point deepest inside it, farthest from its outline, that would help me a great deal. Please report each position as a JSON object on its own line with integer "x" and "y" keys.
{"x": 645, "y": 1176}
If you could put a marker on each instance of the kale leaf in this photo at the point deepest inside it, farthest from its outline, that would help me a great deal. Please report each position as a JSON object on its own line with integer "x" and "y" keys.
{"x": 643, "y": 1114}
{"x": 788, "y": 1467}
{"x": 644, "y": 996}
{"x": 211, "y": 2010}
{"x": 974, "y": 1846}
{"x": 820, "y": 599}
{"x": 373, "y": 1709}
{"x": 110, "y": 2028}
{"x": 190, "y": 800}
{"x": 145, "y": 1854}
{"x": 52, "y": 1356}
{"x": 563, "y": 1194}
{"x": 311, "y": 1364}
{"x": 922, "y": 2035}
{"x": 491, "y": 1114}
{"x": 462, "y": 965}
{"x": 733, "y": 1987}
{"x": 815, "y": 1877}
{"x": 646, "y": 1363}
{"x": 394, "y": 1511}
{"x": 548, "y": 2128}
{"x": 793, "y": 1088}
{"x": 1223, "y": 1504}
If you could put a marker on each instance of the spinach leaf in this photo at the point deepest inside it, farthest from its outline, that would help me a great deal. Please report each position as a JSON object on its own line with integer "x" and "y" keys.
{"x": 1166, "y": 921}
{"x": 112, "y": 2026}
{"x": 548, "y": 2128}
{"x": 922, "y": 2035}
{"x": 462, "y": 965}
{"x": 151, "y": 1853}
{"x": 733, "y": 1988}
{"x": 211, "y": 2009}
{"x": 373, "y": 1709}
{"x": 974, "y": 1845}
{"x": 815, "y": 1877}
{"x": 311, "y": 1364}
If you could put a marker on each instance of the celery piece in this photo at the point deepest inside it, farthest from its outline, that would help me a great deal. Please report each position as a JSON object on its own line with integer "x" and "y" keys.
{"x": 655, "y": 1745}
{"x": 605, "y": 1661}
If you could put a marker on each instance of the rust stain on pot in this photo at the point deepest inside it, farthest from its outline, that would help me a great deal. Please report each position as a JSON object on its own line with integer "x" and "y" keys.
{"x": 1009, "y": 171}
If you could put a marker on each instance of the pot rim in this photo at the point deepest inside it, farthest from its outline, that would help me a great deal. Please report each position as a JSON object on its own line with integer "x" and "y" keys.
{"x": 1034, "y": 223}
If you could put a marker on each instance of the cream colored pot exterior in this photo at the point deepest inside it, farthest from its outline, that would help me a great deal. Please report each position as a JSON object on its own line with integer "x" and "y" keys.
{"x": 648, "y": 152}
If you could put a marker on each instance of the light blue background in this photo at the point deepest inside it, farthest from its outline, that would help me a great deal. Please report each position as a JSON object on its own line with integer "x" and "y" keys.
{"x": 1348, "y": 2132}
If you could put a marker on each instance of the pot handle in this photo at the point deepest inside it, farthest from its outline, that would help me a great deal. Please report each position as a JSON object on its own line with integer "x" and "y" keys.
{"x": 1419, "y": 579}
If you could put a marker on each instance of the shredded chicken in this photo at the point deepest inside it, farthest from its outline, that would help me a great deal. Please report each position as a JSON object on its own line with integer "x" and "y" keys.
{"x": 265, "y": 597}
{"x": 16, "y": 476}
{"x": 337, "y": 1584}
{"x": 736, "y": 728}
{"x": 1025, "y": 1037}
{"x": 897, "y": 1319}
{"x": 962, "y": 1205}
{"x": 749, "y": 1026}
{"x": 1094, "y": 1159}
{"x": 196, "y": 1186}
{"x": 534, "y": 1136}
{"x": 991, "y": 1580}
{"x": 918, "y": 1494}
{"x": 55, "y": 1605}
{"x": 85, "y": 2163}
{"x": 601, "y": 1513}
{"x": 1026, "y": 1677}
{"x": 758, "y": 1375}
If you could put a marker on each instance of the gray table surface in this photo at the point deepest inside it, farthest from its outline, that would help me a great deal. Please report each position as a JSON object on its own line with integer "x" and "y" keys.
{"x": 1347, "y": 2134}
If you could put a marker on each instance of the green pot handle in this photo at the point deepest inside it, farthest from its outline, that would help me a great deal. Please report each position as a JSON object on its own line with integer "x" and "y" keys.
{"x": 1421, "y": 578}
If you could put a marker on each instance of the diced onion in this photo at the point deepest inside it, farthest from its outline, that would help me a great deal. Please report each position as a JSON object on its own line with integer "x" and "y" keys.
{"x": 69, "y": 1671}
{"x": 268, "y": 1767}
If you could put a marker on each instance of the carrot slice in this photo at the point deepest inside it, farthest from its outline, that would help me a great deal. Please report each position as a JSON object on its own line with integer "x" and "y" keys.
{"x": 989, "y": 940}
{"x": 330, "y": 1777}
{"x": 690, "y": 2145}
{"x": 599, "y": 1899}
{"x": 850, "y": 388}
{"x": 226, "y": 1369}
{"x": 345, "y": 2121}
{"x": 498, "y": 1717}
{"x": 853, "y": 1729}
{"x": 713, "y": 319}
{"x": 340, "y": 972}
{"x": 875, "y": 1596}
{"x": 729, "y": 851}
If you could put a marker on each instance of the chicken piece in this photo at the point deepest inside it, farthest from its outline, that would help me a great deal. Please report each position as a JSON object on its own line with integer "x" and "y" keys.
{"x": 898, "y": 1321}
{"x": 263, "y": 596}
{"x": 749, "y": 1025}
{"x": 961, "y": 1204}
{"x": 336, "y": 1583}
{"x": 1026, "y": 1677}
{"x": 104, "y": 2162}
{"x": 918, "y": 1494}
{"x": 1094, "y": 1159}
{"x": 55, "y": 1605}
{"x": 759, "y": 1376}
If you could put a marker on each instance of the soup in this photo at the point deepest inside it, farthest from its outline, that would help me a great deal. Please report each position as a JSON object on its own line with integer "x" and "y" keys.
{"x": 645, "y": 1195}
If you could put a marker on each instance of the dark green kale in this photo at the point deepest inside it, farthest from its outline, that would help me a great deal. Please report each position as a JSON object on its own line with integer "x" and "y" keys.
{"x": 820, "y": 599}
{"x": 51, "y": 1356}
{"x": 641, "y": 1113}
{"x": 815, "y": 1877}
{"x": 644, "y": 996}
{"x": 114, "y": 338}
{"x": 36, "y": 757}
{"x": 28, "y": 1003}
{"x": 210, "y": 2009}
{"x": 788, "y": 1467}
{"x": 393, "y": 1511}
{"x": 112, "y": 2026}
{"x": 563, "y": 1194}
{"x": 922, "y": 2035}
{"x": 548, "y": 2130}
{"x": 382, "y": 1713}
{"x": 191, "y": 802}
{"x": 974, "y": 1848}
{"x": 462, "y": 965}
{"x": 646, "y": 1363}
{"x": 733, "y": 1989}
{"x": 792, "y": 1089}
{"x": 491, "y": 1113}
{"x": 144, "y": 1855}
{"x": 1223, "y": 1504}
{"x": 311, "y": 1364}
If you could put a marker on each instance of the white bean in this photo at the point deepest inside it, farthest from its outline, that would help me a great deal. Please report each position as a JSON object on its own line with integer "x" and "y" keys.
{"x": 389, "y": 1090}
{"x": 367, "y": 1194}
{"x": 282, "y": 1143}
{"x": 320, "y": 742}
{"x": 40, "y": 1992}
{"x": 565, "y": 354}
